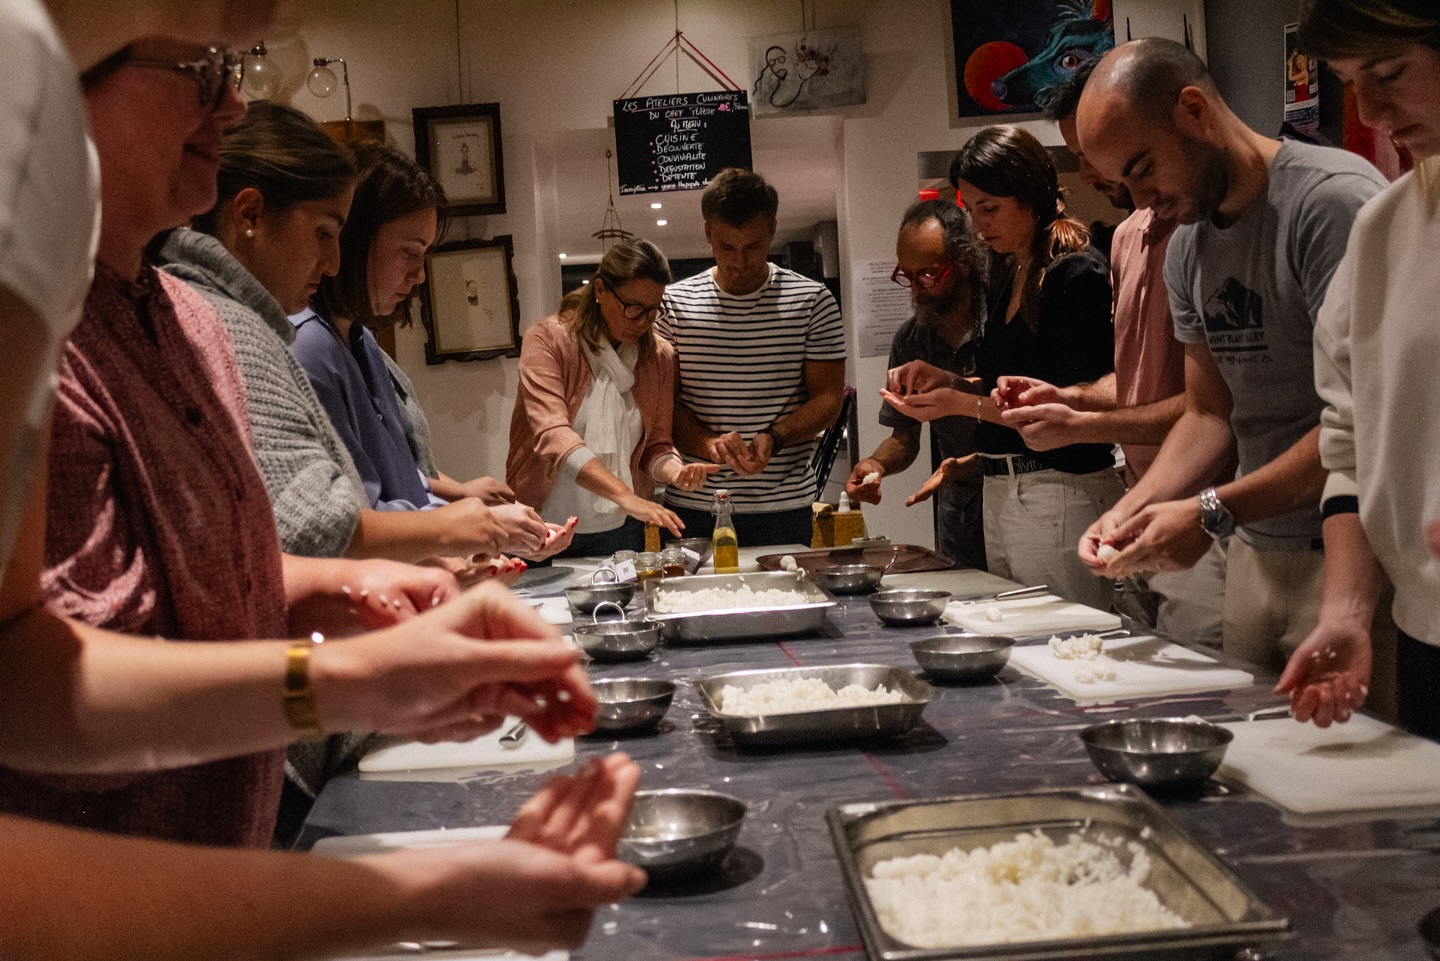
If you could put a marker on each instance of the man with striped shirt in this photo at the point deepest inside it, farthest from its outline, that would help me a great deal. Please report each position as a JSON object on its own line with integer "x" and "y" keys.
{"x": 761, "y": 355}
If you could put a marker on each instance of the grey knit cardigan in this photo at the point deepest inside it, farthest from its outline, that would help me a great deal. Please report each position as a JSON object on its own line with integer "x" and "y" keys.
{"x": 314, "y": 487}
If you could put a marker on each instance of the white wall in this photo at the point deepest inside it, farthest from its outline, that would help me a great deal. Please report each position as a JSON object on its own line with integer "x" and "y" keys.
{"x": 555, "y": 65}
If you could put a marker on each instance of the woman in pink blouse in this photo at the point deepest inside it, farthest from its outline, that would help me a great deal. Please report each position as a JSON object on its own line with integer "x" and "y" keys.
{"x": 590, "y": 436}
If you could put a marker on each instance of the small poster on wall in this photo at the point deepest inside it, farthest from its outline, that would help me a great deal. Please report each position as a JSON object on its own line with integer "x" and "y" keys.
{"x": 813, "y": 70}
{"x": 1302, "y": 85}
{"x": 1012, "y": 55}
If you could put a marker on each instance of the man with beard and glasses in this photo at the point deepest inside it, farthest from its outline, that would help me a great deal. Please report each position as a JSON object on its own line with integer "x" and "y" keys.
{"x": 1263, "y": 224}
{"x": 945, "y": 266}
{"x": 1136, "y": 405}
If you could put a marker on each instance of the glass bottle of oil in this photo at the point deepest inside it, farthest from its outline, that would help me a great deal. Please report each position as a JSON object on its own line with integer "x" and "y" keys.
{"x": 727, "y": 547}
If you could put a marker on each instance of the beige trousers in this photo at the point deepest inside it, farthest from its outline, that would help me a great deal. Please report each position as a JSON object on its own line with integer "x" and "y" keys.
{"x": 1033, "y": 523}
{"x": 1272, "y": 603}
{"x": 1192, "y": 602}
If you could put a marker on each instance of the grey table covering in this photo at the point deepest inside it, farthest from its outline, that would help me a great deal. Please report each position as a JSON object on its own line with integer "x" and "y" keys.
{"x": 1352, "y": 891}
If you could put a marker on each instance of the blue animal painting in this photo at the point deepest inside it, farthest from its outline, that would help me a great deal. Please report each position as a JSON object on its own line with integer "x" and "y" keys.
{"x": 1012, "y": 55}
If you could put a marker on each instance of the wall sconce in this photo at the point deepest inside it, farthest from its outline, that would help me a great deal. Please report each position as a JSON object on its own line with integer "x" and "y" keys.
{"x": 261, "y": 78}
{"x": 322, "y": 81}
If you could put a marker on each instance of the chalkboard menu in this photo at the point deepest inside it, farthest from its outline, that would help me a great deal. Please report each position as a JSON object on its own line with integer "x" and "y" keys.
{"x": 679, "y": 142}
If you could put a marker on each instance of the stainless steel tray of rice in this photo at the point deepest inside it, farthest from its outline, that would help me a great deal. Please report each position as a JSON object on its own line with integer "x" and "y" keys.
{"x": 771, "y": 708}
{"x": 727, "y": 607}
{"x": 1014, "y": 877}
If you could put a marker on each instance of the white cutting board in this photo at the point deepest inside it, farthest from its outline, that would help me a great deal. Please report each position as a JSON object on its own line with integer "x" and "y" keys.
{"x": 355, "y": 845}
{"x": 1144, "y": 666}
{"x": 1028, "y": 616}
{"x": 482, "y": 752}
{"x": 1361, "y": 765}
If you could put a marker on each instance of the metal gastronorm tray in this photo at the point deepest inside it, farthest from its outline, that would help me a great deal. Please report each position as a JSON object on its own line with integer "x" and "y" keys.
{"x": 769, "y": 730}
{"x": 748, "y": 623}
{"x": 1190, "y": 881}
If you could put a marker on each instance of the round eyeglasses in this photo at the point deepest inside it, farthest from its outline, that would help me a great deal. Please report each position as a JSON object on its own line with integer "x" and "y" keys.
{"x": 636, "y": 311}
{"x": 926, "y": 279}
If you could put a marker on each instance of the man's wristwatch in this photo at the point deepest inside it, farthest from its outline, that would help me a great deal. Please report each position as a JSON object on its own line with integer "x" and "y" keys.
{"x": 1215, "y": 517}
{"x": 775, "y": 444}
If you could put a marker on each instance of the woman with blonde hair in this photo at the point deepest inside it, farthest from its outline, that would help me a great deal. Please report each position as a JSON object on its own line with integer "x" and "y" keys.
{"x": 590, "y": 436}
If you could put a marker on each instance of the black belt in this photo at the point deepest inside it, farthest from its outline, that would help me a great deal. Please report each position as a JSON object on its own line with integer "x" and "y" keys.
{"x": 1005, "y": 466}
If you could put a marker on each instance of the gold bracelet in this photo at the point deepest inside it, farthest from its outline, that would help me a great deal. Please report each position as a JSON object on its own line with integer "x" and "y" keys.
{"x": 299, "y": 696}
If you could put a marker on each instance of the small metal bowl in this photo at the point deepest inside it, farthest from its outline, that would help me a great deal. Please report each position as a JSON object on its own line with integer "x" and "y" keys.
{"x": 849, "y": 578}
{"x": 1165, "y": 752}
{"x": 702, "y": 547}
{"x": 677, "y": 832}
{"x": 620, "y": 640}
{"x": 962, "y": 657}
{"x": 586, "y": 599}
{"x": 910, "y": 606}
{"x": 631, "y": 703}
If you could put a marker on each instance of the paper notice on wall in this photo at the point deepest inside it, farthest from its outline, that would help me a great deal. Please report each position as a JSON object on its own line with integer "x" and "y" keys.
{"x": 883, "y": 305}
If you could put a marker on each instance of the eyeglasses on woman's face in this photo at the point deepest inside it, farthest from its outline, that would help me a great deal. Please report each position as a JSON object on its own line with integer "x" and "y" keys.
{"x": 927, "y": 279}
{"x": 636, "y": 311}
{"x": 210, "y": 71}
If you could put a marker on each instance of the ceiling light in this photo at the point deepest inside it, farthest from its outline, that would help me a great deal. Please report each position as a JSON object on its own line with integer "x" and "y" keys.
{"x": 562, "y": 256}
{"x": 656, "y": 206}
{"x": 261, "y": 78}
{"x": 661, "y": 223}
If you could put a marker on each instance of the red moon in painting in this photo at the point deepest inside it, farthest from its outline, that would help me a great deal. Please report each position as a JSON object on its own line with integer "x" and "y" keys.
{"x": 988, "y": 63}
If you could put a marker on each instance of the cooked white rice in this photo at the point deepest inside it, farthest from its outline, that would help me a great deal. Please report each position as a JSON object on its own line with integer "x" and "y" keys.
{"x": 1089, "y": 650}
{"x": 1086, "y": 647}
{"x": 720, "y": 599}
{"x": 797, "y": 695}
{"x": 1029, "y": 889}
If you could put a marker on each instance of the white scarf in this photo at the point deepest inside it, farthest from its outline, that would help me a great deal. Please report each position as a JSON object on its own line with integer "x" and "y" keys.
{"x": 607, "y": 413}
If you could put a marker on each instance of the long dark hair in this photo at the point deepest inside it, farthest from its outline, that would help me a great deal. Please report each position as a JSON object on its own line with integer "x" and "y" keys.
{"x": 1007, "y": 161}
{"x": 282, "y": 153}
{"x": 391, "y": 186}
{"x": 626, "y": 261}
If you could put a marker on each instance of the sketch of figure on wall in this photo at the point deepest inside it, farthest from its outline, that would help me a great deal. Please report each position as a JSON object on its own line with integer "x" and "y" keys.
{"x": 807, "y": 71}
{"x": 464, "y": 167}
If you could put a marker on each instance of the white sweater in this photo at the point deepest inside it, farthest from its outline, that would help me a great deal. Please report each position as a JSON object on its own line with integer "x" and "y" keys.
{"x": 1377, "y": 367}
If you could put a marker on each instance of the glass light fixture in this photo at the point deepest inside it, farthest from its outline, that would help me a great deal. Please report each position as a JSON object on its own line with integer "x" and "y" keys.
{"x": 322, "y": 81}
{"x": 261, "y": 78}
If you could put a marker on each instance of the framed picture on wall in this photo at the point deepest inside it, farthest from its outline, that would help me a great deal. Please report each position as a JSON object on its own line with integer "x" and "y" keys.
{"x": 468, "y": 302}
{"x": 460, "y": 147}
{"x": 1011, "y": 56}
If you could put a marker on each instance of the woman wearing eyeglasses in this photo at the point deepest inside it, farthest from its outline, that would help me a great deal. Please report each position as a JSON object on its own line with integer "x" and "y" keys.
{"x": 1049, "y": 320}
{"x": 590, "y": 436}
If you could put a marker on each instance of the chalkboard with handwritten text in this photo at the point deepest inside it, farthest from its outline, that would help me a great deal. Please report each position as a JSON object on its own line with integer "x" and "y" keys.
{"x": 679, "y": 142}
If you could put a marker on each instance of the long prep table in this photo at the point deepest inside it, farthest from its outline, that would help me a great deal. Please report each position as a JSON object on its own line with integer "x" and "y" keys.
{"x": 1352, "y": 889}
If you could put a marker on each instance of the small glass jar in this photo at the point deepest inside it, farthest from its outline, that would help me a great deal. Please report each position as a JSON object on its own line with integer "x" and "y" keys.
{"x": 672, "y": 561}
{"x": 647, "y": 566}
